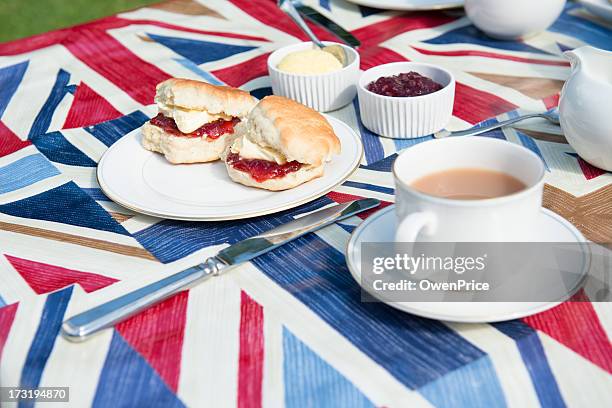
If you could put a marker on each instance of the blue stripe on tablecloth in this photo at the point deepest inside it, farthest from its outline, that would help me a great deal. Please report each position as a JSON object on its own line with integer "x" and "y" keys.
{"x": 171, "y": 240}
{"x": 57, "y": 149}
{"x": 45, "y": 115}
{"x": 2, "y": 302}
{"x": 311, "y": 381}
{"x": 533, "y": 355}
{"x": 25, "y": 171}
{"x": 529, "y": 143}
{"x": 96, "y": 194}
{"x": 589, "y": 32}
{"x": 473, "y": 385}
{"x": 200, "y": 51}
{"x": 44, "y": 339}
{"x": 370, "y": 187}
{"x": 111, "y": 131}
{"x": 471, "y": 35}
{"x": 127, "y": 380}
{"x": 414, "y": 350}
{"x": 59, "y": 204}
{"x": 10, "y": 78}
{"x": 401, "y": 144}
{"x": 382, "y": 165}
{"x": 373, "y": 148}
{"x": 208, "y": 77}
{"x": 325, "y": 4}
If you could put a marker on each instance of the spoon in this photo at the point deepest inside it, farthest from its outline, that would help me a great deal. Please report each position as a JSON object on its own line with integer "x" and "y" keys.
{"x": 552, "y": 116}
{"x": 336, "y": 50}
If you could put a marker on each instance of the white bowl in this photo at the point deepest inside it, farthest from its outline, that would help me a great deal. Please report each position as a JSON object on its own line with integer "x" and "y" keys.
{"x": 509, "y": 20}
{"x": 406, "y": 117}
{"x": 322, "y": 92}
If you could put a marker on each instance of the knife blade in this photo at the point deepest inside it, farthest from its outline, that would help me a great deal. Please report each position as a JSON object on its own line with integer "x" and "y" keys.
{"x": 318, "y": 18}
{"x": 83, "y": 325}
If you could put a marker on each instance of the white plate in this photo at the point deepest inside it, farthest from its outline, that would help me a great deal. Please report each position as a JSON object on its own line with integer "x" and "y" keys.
{"x": 145, "y": 182}
{"x": 601, "y": 8}
{"x": 380, "y": 227}
{"x": 409, "y": 4}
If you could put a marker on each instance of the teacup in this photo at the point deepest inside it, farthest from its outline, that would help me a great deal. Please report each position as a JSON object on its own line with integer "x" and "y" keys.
{"x": 427, "y": 218}
{"x": 511, "y": 20}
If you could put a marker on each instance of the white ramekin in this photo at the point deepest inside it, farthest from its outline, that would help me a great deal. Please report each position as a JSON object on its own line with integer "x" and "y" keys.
{"x": 322, "y": 92}
{"x": 406, "y": 117}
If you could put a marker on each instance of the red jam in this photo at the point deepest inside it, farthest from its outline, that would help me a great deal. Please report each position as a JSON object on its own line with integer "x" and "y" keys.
{"x": 210, "y": 130}
{"x": 406, "y": 84}
{"x": 262, "y": 170}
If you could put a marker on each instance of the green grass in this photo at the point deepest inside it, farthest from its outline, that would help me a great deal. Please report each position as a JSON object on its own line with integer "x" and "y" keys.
{"x": 22, "y": 18}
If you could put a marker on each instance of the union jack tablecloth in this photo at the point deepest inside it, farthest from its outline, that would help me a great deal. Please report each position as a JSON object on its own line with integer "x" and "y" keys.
{"x": 288, "y": 329}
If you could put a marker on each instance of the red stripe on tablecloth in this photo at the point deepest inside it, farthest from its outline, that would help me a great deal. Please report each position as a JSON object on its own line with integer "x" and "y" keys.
{"x": 343, "y": 198}
{"x": 157, "y": 334}
{"x": 474, "y": 53}
{"x": 391, "y": 27}
{"x": 7, "y": 315}
{"x": 268, "y": 13}
{"x": 551, "y": 101}
{"x": 9, "y": 142}
{"x": 576, "y": 325}
{"x": 375, "y": 55}
{"x": 72, "y": 34}
{"x": 107, "y": 56}
{"x": 242, "y": 73}
{"x": 251, "y": 357}
{"x": 473, "y": 105}
{"x": 44, "y": 278}
{"x": 89, "y": 108}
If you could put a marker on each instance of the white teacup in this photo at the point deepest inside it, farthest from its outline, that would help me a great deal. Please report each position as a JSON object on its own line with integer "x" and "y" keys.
{"x": 510, "y": 20}
{"x": 427, "y": 218}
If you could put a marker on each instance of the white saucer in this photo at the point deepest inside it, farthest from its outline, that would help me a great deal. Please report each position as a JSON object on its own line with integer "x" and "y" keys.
{"x": 409, "y": 4}
{"x": 380, "y": 227}
{"x": 145, "y": 182}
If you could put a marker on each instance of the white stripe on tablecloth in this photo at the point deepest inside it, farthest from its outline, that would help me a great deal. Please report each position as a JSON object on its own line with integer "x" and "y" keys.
{"x": 211, "y": 344}
{"x": 72, "y": 229}
{"x": 33, "y": 189}
{"x": 86, "y": 143}
{"x": 273, "y": 390}
{"x": 77, "y": 257}
{"x": 19, "y": 154}
{"x": 13, "y": 288}
{"x": 87, "y": 360}
{"x": 20, "y": 337}
{"x": 582, "y": 383}
{"x": 84, "y": 177}
{"x": 507, "y": 361}
{"x": 379, "y": 385}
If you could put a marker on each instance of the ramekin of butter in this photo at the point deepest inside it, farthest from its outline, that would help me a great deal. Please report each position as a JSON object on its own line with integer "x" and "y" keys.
{"x": 306, "y": 74}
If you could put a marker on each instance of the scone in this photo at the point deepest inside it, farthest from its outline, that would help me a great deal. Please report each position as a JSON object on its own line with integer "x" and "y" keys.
{"x": 282, "y": 145}
{"x": 195, "y": 121}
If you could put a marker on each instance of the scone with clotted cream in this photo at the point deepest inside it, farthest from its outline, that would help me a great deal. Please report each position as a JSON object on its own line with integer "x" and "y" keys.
{"x": 196, "y": 120}
{"x": 281, "y": 145}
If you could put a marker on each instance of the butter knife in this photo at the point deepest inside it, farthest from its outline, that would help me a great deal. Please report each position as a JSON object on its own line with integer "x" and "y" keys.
{"x": 318, "y": 18}
{"x": 83, "y": 325}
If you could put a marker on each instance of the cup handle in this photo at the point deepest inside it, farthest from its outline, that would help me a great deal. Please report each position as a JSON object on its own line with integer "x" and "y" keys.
{"x": 410, "y": 227}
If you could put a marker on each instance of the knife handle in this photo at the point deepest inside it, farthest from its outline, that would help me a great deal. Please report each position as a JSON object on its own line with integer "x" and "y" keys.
{"x": 83, "y": 325}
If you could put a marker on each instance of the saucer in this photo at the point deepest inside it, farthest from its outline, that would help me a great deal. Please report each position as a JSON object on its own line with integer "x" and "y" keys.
{"x": 380, "y": 227}
{"x": 145, "y": 182}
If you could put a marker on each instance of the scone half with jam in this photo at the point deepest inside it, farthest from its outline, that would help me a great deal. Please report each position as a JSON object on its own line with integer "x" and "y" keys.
{"x": 196, "y": 120}
{"x": 281, "y": 145}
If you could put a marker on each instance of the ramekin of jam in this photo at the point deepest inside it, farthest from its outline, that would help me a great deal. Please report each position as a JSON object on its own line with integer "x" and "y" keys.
{"x": 405, "y": 100}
